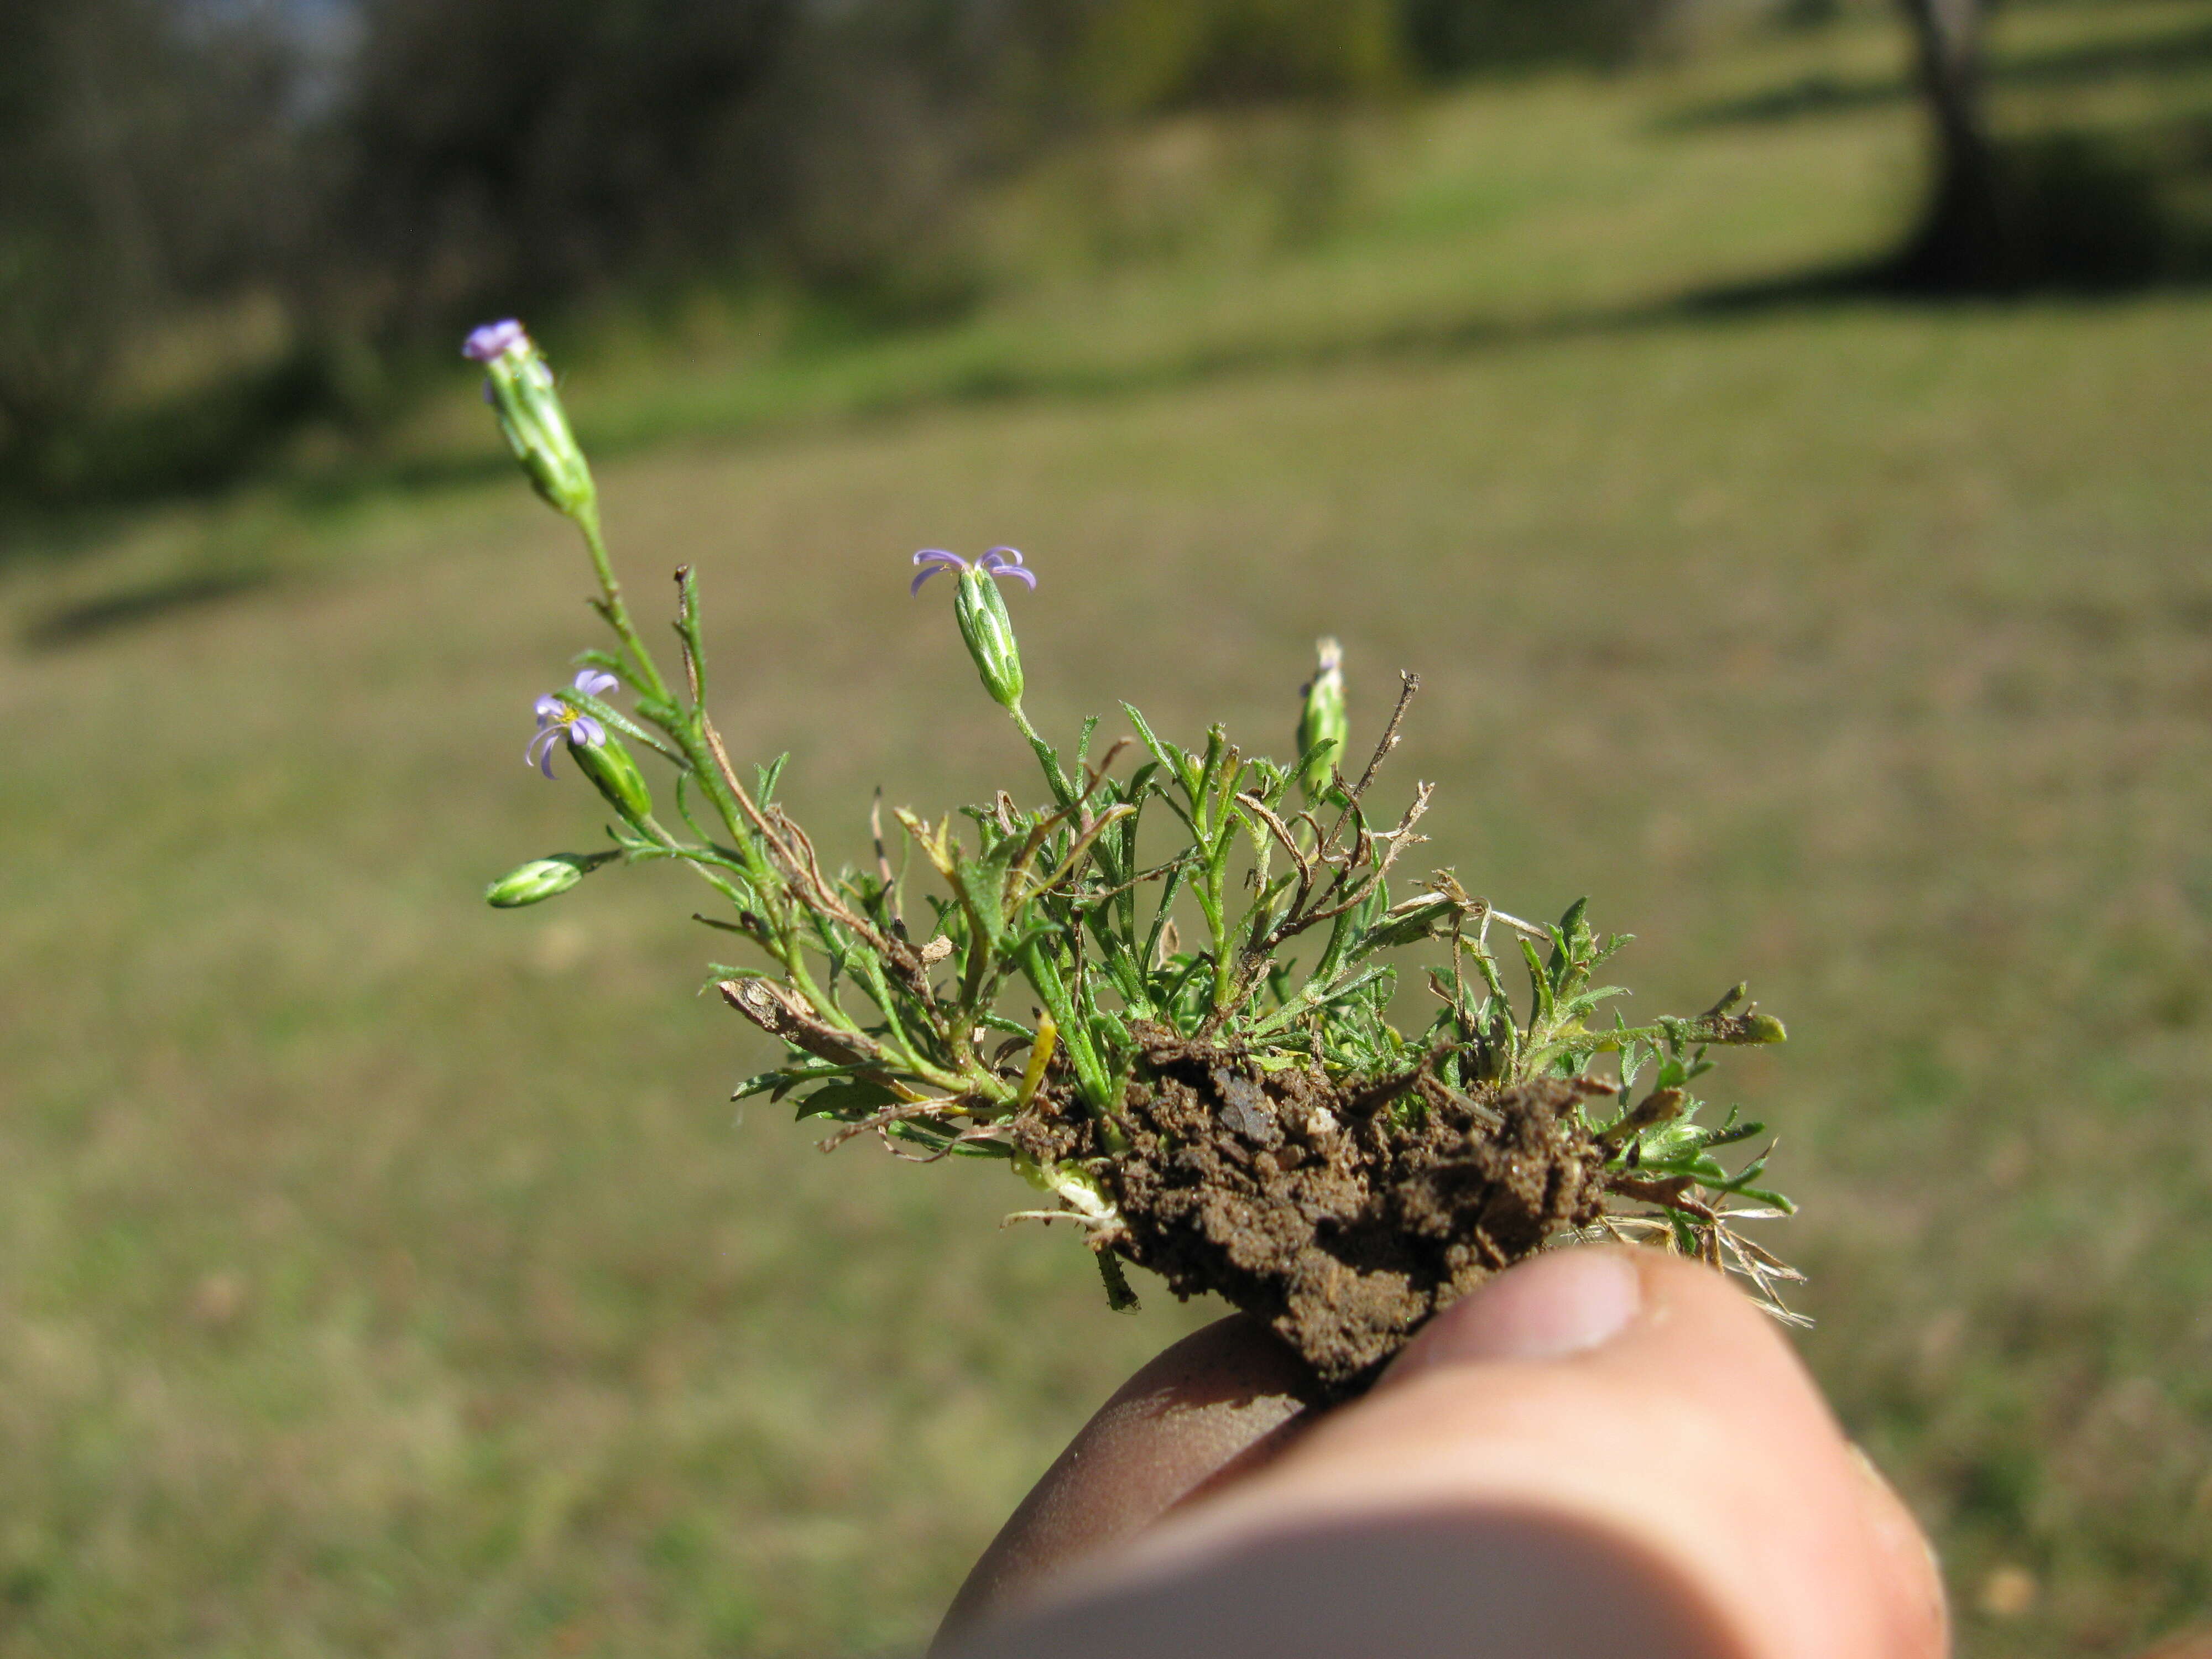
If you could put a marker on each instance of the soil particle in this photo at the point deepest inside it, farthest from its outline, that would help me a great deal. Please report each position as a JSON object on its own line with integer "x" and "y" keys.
{"x": 1245, "y": 1109}
{"x": 1343, "y": 1213}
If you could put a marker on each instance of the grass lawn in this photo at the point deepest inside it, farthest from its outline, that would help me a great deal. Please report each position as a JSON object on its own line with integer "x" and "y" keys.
{"x": 382, "y": 1275}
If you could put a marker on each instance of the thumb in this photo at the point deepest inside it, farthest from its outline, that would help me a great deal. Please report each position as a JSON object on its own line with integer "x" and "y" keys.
{"x": 1598, "y": 1450}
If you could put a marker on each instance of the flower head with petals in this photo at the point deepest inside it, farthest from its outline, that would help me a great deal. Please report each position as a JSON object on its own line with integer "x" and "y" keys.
{"x": 999, "y": 562}
{"x": 494, "y": 341}
{"x": 559, "y": 718}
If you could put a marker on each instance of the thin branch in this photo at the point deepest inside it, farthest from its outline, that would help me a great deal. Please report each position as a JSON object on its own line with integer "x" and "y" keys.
{"x": 1410, "y": 684}
{"x": 906, "y": 1111}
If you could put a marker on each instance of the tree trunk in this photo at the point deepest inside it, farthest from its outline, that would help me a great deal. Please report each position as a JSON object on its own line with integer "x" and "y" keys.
{"x": 1963, "y": 239}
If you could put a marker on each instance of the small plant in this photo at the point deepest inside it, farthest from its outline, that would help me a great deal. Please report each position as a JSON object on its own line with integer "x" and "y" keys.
{"x": 1165, "y": 993}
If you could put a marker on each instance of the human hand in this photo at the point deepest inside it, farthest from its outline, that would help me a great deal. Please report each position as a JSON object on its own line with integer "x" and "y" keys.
{"x": 1602, "y": 1451}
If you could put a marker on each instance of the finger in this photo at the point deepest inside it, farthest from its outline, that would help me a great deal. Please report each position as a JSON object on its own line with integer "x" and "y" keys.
{"x": 1218, "y": 1403}
{"x": 1792, "y": 1518}
{"x": 1597, "y": 1443}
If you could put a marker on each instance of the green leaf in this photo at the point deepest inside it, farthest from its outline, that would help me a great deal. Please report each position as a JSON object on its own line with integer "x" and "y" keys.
{"x": 760, "y": 1083}
{"x": 1788, "y": 1206}
{"x": 1406, "y": 924}
{"x": 1576, "y": 1007}
{"x": 1166, "y": 754}
{"x": 1728, "y": 1136}
{"x": 849, "y": 1101}
{"x": 1542, "y": 982}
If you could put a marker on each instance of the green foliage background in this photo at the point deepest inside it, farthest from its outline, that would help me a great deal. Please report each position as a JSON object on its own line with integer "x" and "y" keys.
{"x": 313, "y": 195}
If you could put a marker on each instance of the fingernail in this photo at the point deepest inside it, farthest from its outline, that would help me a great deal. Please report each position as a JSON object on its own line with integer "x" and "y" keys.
{"x": 1556, "y": 1305}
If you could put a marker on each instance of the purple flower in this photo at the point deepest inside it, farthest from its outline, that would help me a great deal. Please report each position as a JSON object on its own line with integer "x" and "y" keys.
{"x": 558, "y": 719}
{"x": 494, "y": 340}
{"x": 999, "y": 562}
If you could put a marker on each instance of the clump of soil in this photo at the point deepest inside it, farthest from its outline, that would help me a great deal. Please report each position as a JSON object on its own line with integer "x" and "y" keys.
{"x": 1342, "y": 1213}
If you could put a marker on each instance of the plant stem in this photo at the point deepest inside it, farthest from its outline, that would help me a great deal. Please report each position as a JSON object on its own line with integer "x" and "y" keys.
{"x": 1043, "y": 975}
{"x": 1047, "y": 758}
{"x": 618, "y": 613}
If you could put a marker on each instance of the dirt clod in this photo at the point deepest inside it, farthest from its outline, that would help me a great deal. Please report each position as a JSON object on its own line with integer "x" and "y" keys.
{"x": 1344, "y": 1214}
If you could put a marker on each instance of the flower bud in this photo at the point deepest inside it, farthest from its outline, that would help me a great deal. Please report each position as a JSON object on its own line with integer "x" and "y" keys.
{"x": 1763, "y": 1028}
{"x": 989, "y": 631}
{"x": 541, "y": 879}
{"x": 1322, "y": 723}
{"x": 519, "y": 386}
{"x": 613, "y": 774}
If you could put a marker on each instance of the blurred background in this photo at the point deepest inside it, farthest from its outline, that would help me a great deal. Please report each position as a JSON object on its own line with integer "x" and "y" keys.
{"x": 1775, "y": 429}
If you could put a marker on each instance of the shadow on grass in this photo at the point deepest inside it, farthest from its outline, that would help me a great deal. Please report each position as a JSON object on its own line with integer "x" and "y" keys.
{"x": 128, "y": 607}
{"x": 2087, "y": 214}
{"x": 54, "y": 532}
{"x": 1821, "y": 91}
{"x": 2177, "y": 51}
{"x": 182, "y": 445}
{"x": 49, "y": 530}
{"x": 2076, "y": 211}
{"x": 65, "y": 495}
